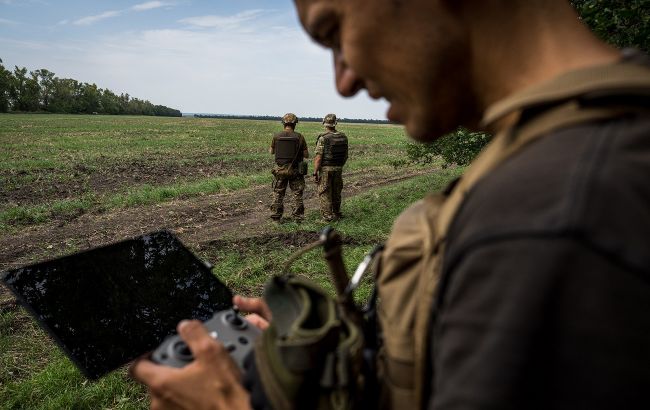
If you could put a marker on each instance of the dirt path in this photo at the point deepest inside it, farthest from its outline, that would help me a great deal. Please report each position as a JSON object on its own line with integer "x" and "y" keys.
{"x": 197, "y": 221}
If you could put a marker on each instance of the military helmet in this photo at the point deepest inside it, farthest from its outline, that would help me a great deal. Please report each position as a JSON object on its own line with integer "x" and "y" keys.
{"x": 330, "y": 120}
{"x": 289, "y": 118}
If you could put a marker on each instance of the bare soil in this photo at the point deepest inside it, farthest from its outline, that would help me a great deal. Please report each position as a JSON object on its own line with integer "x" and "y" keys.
{"x": 201, "y": 223}
{"x": 50, "y": 184}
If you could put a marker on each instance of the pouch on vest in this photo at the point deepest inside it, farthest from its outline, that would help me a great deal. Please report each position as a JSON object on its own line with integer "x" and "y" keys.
{"x": 284, "y": 171}
{"x": 403, "y": 274}
{"x": 311, "y": 356}
{"x": 286, "y": 148}
{"x": 335, "y": 149}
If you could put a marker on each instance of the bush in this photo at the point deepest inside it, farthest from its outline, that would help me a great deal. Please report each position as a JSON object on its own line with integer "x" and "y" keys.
{"x": 622, "y": 23}
{"x": 459, "y": 147}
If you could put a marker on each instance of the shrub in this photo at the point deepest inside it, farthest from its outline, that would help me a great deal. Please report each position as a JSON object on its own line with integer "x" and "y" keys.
{"x": 459, "y": 147}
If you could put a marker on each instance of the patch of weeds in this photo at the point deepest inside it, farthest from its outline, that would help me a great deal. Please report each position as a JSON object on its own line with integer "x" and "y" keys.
{"x": 61, "y": 386}
{"x": 31, "y": 215}
{"x": 24, "y": 215}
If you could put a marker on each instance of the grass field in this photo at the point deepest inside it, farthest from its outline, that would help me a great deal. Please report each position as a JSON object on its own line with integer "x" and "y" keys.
{"x": 55, "y": 166}
{"x": 54, "y": 169}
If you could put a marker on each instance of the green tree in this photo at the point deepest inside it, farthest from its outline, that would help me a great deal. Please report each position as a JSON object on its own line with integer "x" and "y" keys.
{"x": 623, "y": 23}
{"x": 459, "y": 147}
{"x": 110, "y": 102}
{"x": 89, "y": 98}
{"x": 42, "y": 90}
{"x": 5, "y": 84}
{"x": 24, "y": 90}
{"x": 63, "y": 97}
{"x": 45, "y": 80}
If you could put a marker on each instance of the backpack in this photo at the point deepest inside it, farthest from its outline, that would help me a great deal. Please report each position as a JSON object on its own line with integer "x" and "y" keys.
{"x": 335, "y": 149}
{"x": 287, "y": 147}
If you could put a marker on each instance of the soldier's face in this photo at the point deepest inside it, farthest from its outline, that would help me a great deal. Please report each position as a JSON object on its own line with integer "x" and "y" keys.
{"x": 412, "y": 53}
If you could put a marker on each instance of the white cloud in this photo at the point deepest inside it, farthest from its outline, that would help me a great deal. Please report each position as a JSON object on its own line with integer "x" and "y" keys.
{"x": 23, "y": 2}
{"x": 222, "y": 22}
{"x": 86, "y": 21}
{"x": 150, "y": 5}
{"x": 8, "y": 22}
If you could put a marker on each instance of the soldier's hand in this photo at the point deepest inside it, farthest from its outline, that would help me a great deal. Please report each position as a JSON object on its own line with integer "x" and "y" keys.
{"x": 211, "y": 381}
{"x": 260, "y": 314}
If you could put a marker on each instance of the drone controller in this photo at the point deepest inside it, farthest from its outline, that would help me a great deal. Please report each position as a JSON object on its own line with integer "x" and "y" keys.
{"x": 236, "y": 334}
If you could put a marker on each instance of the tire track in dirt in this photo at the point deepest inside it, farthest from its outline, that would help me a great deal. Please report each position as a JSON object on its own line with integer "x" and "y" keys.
{"x": 197, "y": 221}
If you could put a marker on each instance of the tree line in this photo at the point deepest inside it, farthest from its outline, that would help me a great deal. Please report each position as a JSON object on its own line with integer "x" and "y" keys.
{"x": 42, "y": 91}
{"x": 278, "y": 118}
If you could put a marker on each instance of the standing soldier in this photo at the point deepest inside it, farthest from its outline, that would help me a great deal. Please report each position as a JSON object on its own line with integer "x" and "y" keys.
{"x": 290, "y": 149}
{"x": 331, "y": 155}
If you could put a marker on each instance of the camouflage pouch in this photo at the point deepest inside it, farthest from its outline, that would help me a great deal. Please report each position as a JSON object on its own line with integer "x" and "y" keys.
{"x": 319, "y": 351}
{"x": 283, "y": 171}
{"x": 310, "y": 356}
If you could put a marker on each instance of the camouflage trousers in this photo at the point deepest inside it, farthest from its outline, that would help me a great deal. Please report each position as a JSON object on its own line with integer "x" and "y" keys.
{"x": 329, "y": 194}
{"x": 297, "y": 185}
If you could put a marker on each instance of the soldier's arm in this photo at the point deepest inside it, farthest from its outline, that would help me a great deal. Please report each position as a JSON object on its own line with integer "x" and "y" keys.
{"x": 318, "y": 154}
{"x": 305, "y": 150}
{"x": 317, "y": 161}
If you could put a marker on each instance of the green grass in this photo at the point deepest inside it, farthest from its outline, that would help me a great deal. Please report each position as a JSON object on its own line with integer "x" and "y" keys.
{"x": 36, "y": 375}
{"x": 61, "y": 166}
{"x": 246, "y": 266}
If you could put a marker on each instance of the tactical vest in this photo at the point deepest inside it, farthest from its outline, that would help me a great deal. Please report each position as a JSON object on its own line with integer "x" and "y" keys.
{"x": 287, "y": 147}
{"x": 335, "y": 149}
{"x": 409, "y": 269}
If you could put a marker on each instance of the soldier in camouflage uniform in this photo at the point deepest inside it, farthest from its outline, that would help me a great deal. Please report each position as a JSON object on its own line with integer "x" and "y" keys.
{"x": 290, "y": 149}
{"x": 331, "y": 155}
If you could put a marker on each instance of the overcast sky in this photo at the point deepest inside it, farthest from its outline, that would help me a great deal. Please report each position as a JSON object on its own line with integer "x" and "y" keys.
{"x": 204, "y": 56}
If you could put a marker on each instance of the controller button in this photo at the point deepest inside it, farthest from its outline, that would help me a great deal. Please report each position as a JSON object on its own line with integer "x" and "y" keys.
{"x": 182, "y": 351}
{"x": 213, "y": 334}
{"x": 231, "y": 347}
{"x": 243, "y": 340}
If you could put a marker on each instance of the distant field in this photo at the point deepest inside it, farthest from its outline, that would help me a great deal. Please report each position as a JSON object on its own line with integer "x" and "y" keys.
{"x": 71, "y": 182}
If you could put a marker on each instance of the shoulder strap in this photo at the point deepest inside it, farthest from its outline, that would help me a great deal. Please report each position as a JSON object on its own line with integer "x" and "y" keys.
{"x": 295, "y": 156}
{"x": 513, "y": 140}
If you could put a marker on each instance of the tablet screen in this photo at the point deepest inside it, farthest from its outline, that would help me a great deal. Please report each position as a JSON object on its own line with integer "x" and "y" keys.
{"x": 109, "y": 305}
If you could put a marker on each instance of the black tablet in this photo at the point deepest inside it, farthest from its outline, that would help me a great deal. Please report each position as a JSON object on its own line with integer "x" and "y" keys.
{"x": 109, "y": 305}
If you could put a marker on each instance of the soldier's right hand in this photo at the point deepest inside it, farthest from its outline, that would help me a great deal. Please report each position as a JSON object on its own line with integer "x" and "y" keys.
{"x": 211, "y": 381}
{"x": 259, "y": 312}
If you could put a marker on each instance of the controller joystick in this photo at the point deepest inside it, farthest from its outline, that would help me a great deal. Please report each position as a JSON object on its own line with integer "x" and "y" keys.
{"x": 235, "y": 320}
{"x": 227, "y": 326}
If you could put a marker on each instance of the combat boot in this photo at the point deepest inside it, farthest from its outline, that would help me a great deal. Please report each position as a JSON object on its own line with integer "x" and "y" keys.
{"x": 337, "y": 212}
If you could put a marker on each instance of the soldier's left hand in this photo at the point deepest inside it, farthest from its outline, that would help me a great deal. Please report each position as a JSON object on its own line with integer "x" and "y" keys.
{"x": 211, "y": 381}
